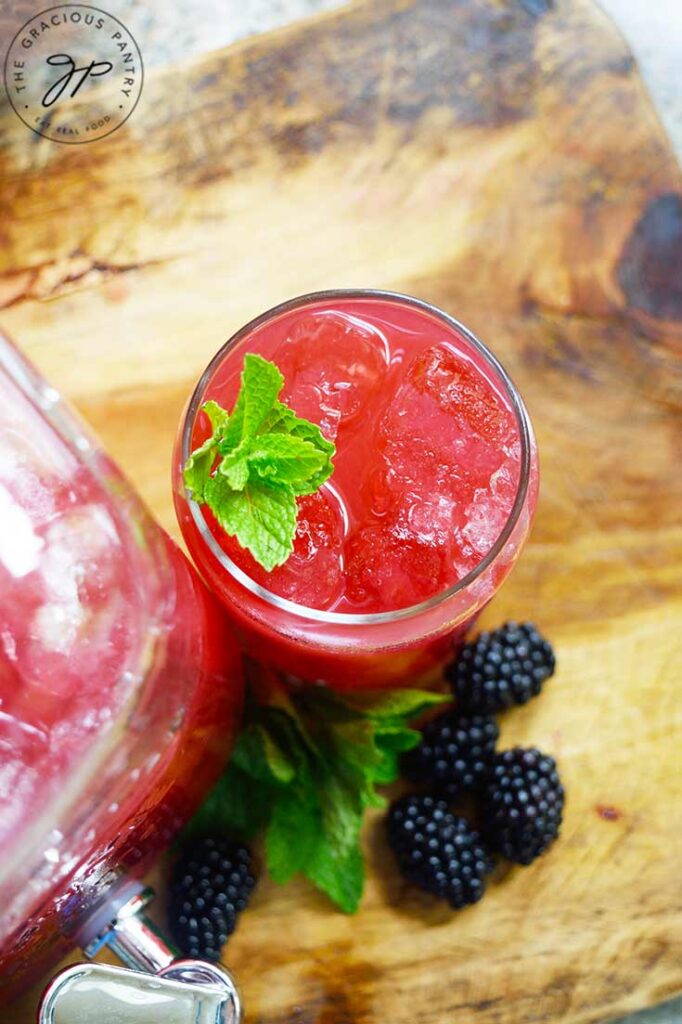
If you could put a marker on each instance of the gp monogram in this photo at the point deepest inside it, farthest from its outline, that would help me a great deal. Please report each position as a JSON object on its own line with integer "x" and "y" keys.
{"x": 73, "y": 73}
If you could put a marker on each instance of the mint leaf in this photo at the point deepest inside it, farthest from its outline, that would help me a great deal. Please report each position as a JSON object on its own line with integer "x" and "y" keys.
{"x": 305, "y": 769}
{"x": 262, "y": 517}
{"x": 283, "y": 420}
{"x": 235, "y": 468}
{"x": 293, "y": 835}
{"x": 197, "y": 469}
{"x": 300, "y": 839}
{"x": 391, "y": 742}
{"x": 280, "y": 766}
{"x": 355, "y": 743}
{"x": 261, "y": 384}
{"x": 217, "y": 416}
{"x": 237, "y": 474}
{"x": 267, "y": 456}
{"x": 287, "y": 460}
{"x": 311, "y": 432}
{"x": 341, "y": 876}
{"x": 279, "y": 420}
{"x": 398, "y": 738}
{"x": 341, "y": 800}
{"x": 248, "y": 754}
{"x": 288, "y": 725}
{"x": 237, "y": 805}
{"x": 396, "y": 703}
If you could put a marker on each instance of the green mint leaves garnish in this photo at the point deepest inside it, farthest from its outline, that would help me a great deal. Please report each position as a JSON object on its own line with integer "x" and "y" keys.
{"x": 258, "y": 460}
{"x": 304, "y": 770}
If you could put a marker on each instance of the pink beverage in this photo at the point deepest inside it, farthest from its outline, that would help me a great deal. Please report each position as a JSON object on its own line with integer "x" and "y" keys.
{"x": 120, "y": 685}
{"x": 430, "y": 503}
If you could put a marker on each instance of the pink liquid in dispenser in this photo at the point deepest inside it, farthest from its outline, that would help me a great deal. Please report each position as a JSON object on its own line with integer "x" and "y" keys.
{"x": 120, "y": 685}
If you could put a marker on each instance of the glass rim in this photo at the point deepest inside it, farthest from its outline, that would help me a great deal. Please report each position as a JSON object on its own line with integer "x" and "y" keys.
{"x": 360, "y": 618}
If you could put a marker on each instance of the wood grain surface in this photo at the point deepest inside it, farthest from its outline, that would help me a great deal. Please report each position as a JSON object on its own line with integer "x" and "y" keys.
{"x": 501, "y": 159}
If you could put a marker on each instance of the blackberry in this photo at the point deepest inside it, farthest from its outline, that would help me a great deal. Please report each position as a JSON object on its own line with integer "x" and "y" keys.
{"x": 501, "y": 668}
{"x": 211, "y": 884}
{"x": 522, "y": 804}
{"x": 437, "y": 851}
{"x": 454, "y": 754}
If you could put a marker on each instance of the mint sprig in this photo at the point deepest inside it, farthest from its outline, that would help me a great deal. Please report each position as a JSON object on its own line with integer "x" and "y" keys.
{"x": 305, "y": 768}
{"x": 257, "y": 461}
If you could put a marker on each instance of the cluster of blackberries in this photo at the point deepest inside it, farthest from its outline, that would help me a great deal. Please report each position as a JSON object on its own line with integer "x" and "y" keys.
{"x": 520, "y": 793}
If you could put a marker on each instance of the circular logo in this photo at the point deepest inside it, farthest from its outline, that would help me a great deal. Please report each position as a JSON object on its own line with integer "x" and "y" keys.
{"x": 73, "y": 73}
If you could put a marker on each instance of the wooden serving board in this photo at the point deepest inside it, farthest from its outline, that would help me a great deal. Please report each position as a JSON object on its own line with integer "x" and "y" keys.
{"x": 501, "y": 159}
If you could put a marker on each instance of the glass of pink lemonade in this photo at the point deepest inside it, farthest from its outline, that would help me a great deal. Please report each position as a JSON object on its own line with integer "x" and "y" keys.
{"x": 120, "y": 686}
{"x": 434, "y": 488}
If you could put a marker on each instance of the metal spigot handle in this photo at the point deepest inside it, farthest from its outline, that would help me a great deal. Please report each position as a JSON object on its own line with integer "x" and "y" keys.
{"x": 89, "y": 993}
{"x": 154, "y": 985}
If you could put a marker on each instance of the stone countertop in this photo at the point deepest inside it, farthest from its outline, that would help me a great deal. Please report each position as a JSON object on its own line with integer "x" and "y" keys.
{"x": 654, "y": 33}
